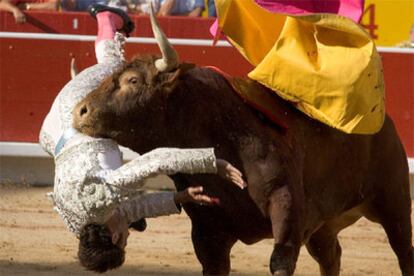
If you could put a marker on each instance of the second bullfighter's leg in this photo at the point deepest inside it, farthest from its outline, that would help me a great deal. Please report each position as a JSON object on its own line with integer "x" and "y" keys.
{"x": 324, "y": 245}
{"x": 285, "y": 234}
{"x": 212, "y": 243}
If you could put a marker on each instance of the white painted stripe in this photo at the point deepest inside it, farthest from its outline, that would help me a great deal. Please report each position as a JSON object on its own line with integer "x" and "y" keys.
{"x": 18, "y": 149}
{"x": 180, "y": 41}
{"x": 411, "y": 165}
{"x": 141, "y": 40}
{"x": 151, "y": 40}
{"x": 397, "y": 50}
{"x": 42, "y": 36}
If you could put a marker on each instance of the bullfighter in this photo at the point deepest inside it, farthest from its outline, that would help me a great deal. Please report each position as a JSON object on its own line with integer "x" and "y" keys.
{"x": 95, "y": 194}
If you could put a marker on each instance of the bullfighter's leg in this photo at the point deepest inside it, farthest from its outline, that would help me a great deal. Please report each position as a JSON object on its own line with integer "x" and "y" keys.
{"x": 110, "y": 56}
{"x": 324, "y": 246}
{"x": 109, "y": 44}
{"x": 212, "y": 243}
{"x": 285, "y": 233}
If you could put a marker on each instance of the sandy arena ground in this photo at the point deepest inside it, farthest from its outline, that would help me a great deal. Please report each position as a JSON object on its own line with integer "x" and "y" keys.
{"x": 34, "y": 241}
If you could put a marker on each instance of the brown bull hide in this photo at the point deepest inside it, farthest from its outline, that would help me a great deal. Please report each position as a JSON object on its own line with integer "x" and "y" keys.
{"x": 305, "y": 184}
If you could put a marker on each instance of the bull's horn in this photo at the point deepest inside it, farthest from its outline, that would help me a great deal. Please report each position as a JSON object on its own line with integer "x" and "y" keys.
{"x": 169, "y": 59}
{"x": 73, "y": 69}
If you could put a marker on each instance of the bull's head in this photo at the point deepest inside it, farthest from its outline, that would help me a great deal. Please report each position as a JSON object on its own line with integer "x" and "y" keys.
{"x": 140, "y": 87}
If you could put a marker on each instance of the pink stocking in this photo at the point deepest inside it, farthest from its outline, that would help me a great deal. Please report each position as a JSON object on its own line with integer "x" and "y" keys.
{"x": 108, "y": 23}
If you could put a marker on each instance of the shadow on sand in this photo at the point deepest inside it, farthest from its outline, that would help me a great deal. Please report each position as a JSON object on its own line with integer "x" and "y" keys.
{"x": 46, "y": 269}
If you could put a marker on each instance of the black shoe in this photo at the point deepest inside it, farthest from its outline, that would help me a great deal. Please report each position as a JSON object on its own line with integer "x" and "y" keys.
{"x": 139, "y": 225}
{"x": 128, "y": 26}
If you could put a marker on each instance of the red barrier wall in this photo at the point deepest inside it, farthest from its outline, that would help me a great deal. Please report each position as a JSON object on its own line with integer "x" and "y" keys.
{"x": 33, "y": 70}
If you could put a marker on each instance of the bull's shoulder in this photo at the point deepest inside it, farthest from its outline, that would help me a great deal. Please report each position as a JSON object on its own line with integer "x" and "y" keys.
{"x": 208, "y": 76}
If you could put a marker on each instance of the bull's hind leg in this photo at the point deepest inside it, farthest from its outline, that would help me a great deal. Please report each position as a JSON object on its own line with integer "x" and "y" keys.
{"x": 285, "y": 233}
{"x": 394, "y": 214}
{"x": 324, "y": 246}
{"x": 392, "y": 207}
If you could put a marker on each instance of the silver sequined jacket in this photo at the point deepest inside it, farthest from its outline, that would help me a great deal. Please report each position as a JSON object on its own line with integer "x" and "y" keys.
{"x": 84, "y": 193}
{"x": 86, "y": 189}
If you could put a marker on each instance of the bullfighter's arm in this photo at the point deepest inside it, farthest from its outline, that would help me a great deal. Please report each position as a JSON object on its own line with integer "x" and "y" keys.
{"x": 162, "y": 161}
{"x": 7, "y": 5}
{"x": 198, "y": 9}
{"x": 166, "y": 8}
{"x": 51, "y": 5}
{"x": 196, "y": 12}
{"x": 149, "y": 205}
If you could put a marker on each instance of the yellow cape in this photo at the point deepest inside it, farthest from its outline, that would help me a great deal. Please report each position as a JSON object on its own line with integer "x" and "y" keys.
{"x": 325, "y": 63}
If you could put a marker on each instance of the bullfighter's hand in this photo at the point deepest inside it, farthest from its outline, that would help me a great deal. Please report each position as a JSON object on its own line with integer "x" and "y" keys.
{"x": 195, "y": 195}
{"x": 230, "y": 173}
{"x": 19, "y": 16}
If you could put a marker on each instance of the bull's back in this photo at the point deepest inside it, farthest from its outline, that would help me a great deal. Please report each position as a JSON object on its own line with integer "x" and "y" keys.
{"x": 338, "y": 171}
{"x": 390, "y": 162}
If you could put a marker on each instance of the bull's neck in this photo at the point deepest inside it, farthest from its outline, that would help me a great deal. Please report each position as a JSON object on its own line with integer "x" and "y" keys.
{"x": 201, "y": 115}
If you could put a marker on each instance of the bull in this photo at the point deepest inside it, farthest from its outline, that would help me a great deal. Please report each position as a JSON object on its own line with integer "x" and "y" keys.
{"x": 305, "y": 183}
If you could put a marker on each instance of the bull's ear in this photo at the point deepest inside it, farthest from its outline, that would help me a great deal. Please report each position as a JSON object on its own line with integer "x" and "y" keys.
{"x": 170, "y": 79}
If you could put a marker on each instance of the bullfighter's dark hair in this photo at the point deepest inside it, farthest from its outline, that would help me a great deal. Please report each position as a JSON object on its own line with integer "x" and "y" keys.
{"x": 96, "y": 251}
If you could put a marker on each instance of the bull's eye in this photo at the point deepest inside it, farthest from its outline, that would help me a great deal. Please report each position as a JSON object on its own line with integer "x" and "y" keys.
{"x": 133, "y": 80}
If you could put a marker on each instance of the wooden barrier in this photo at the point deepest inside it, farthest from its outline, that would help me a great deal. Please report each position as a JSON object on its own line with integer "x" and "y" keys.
{"x": 35, "y": 58}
